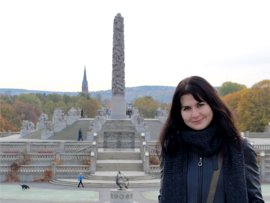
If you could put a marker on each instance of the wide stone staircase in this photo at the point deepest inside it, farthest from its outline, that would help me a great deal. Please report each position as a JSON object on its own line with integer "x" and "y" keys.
{"x": 108, "y": 163}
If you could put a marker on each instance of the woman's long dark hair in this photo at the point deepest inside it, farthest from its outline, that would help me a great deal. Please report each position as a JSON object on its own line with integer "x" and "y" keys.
{"x": 201, "y": 90}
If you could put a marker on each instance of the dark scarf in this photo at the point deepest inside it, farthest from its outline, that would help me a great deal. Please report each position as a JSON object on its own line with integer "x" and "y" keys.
{"x": 204, "y": 143}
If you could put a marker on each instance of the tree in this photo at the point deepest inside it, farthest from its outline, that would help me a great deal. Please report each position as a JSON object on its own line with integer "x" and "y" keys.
{"x": 90, "y": 107}
{"x": 30, "y": 98}
{"x": 11, "y": 117}
{"x": 251, "y": 107}
{"x": 66, "y": 99}
{"x": 49, "y": 109}
{"x": 230, "y": 87}
{"x": 27, "y": 111}
{"x": 62, "y": 105}
{"x": 41, "y": 98}
{"x": 99, "y": 98}
{"x": 147, "y": 106}
{"x": 5, "y": 125}
{"x": 54, "y": 97}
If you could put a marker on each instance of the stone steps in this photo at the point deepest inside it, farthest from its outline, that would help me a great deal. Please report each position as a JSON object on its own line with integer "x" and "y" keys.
{"x": 121, "y": 155}
{"x": 107, "y": 184}
{"x": 119, "y": 165}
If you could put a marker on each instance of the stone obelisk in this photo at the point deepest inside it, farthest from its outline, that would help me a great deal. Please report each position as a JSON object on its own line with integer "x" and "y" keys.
{"x": 118, "y": 104}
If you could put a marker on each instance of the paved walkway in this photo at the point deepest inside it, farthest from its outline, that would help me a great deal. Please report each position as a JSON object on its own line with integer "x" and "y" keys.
{"x": 46, "y": 192}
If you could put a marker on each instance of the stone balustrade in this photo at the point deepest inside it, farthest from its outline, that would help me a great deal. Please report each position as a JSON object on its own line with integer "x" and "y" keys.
{"x": 73, "y": 169}
{"x": 55, "y": 146}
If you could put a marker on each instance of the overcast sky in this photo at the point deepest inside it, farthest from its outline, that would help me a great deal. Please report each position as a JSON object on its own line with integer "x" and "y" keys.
{"x": 44, "y": 45}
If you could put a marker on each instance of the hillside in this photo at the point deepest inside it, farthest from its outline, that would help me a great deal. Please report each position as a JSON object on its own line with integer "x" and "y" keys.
{"x": 159, "y": 93}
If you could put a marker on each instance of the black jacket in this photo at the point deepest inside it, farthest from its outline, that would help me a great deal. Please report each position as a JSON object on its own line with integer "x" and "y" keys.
{"x": 251, "y": 173}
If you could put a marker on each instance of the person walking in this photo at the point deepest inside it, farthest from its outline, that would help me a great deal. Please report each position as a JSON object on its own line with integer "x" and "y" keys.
{"x": 82, "y": 113}
{"x": 204, "y": 159}
{"x": 80, "y": 135}
{"x": 80, "y": 179}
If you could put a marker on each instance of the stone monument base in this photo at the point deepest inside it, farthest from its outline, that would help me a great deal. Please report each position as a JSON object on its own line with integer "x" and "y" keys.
{"x": 97, "y": 128}
{"x": 40, "y": 126}
{"x": 90, "y": 136}
{"x": 102, "y": 120}
{"x": 59, "y": 126}
{"x": 72, "y": 119}
{"x": 139, "y": 128}
{"x": 46, "y": 134}
{"x": 24, "y": 133}
{"x": 147, "y": 136}
{"x": 118, "y": 107}
{"x": 121, "y": 196}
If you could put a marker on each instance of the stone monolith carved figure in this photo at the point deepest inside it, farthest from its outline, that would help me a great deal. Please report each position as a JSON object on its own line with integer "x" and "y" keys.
{"x": 118, "y": 106}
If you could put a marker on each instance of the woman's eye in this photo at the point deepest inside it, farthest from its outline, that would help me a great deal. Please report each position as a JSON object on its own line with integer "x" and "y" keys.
{"x": 186, "y": 108}
{"x": 199, "y": 105}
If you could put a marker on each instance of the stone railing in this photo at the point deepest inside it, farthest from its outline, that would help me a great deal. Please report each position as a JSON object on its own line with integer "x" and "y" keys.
{"x": 55, "y": 146}
{"x": 154, "y": 169}
{"x": 261, "y": 147}
{"x": 73, "y": 169}
{"x": 9, "y": 157}
{"x": 9, "y": 133}
{"x": 257, "y": 134}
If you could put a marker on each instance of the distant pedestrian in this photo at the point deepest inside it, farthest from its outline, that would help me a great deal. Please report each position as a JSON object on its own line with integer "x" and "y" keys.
{"x": 80, "y": 135}
{"x": 82, "y": 113}
{"x": 80, "y": 179}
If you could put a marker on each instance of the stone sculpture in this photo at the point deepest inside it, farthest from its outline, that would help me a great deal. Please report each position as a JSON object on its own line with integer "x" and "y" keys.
{"x": 27, "y": 128}
{"x": 72, "y": 112}
{"x": 161, "y": 114}
{"x": 43, "y": 118}
{"x": 118, "y": 105}
{"x": 73, "y": 116}
{"x": 47, "y": 132}
{"x": 90, "y": 134}
{"x": 58, "y": 119}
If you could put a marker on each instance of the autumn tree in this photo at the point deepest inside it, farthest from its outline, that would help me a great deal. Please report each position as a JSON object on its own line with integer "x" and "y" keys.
{"x": 27, "y": 111}
{"x": 147, "y": 106}
{"x": 230, "y": 87}
{"x": 90, "y": 107}
{"x": 251, "y": 107}
{"x": 9, "y": 114}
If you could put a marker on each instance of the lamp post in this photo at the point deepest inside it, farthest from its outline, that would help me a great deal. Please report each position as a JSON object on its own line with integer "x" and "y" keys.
{"x": 262, "y": 155}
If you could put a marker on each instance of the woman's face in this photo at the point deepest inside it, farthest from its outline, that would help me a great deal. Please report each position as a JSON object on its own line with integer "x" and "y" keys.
{"x": 196, "y": 115}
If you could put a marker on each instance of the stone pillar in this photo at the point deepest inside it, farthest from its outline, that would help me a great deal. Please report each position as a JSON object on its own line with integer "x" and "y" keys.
{"x": 94, "y": 147}
{"x": 262, "y": 161}
{"x": 118, "y": 104}
{"x": 53, "y": 168}
{"x": 62, "y": 147}
{"x": 269, "y": 129}
{"x": 95, "y": 137}
{"x": 146, "y": 163}
{"x": 58, "y": 157}
{"x": 28, "y": 147}
{"x": 93, "y": 163}
{"x": 247, "y": 134}
{"x": 9, "y": 133}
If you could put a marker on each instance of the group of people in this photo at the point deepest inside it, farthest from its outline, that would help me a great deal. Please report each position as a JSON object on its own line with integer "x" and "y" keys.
{"x": 203, "y": 157}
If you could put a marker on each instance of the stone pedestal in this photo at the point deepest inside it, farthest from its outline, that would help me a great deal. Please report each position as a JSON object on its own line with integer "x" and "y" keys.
{"x": 147, "y": 136}
{"x": 46, "y": 134}
{"x": 40, "y": 125}
{"x": 72, "y": 119}
{"x": 140, "y": 128}
{"x": 90, "y": 136}
{"x": 118, "y": 107}
{"x": 59, "y": 126}
{"x": 25, "y": 132}
{"x": 121, "y": 196}
{"x": 97, "y": 127}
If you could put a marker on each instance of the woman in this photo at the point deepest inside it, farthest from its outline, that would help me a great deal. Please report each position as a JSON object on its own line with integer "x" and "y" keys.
{"x": 199, "y": 141}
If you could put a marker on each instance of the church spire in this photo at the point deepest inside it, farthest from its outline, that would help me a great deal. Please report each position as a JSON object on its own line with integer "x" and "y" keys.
{"x": 84, "y": 82}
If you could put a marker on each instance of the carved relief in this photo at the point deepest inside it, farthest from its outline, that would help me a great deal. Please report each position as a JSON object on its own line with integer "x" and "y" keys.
{"x": 118, "y": 80}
